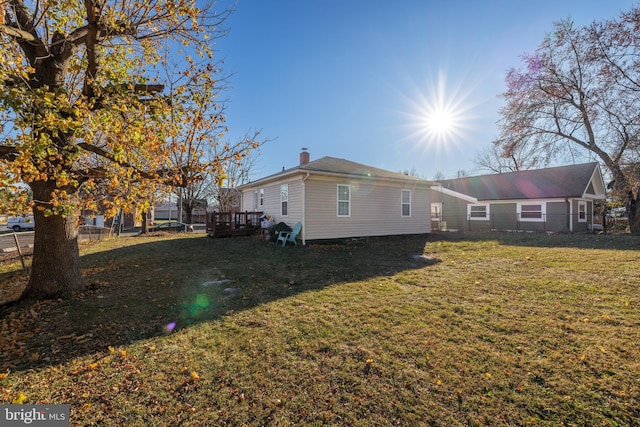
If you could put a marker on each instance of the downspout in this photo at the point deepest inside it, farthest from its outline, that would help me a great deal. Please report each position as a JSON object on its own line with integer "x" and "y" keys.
{"x": 304, "y": 210}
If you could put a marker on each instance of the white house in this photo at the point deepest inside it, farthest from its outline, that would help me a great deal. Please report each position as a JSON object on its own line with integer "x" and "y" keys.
{"x": 335, "y": 198}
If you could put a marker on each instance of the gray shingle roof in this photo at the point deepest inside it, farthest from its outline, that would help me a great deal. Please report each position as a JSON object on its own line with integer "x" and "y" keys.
{"x": 346, "y": 167}
{"x": 335, "y": 166}
{"x": 556, "y": 182}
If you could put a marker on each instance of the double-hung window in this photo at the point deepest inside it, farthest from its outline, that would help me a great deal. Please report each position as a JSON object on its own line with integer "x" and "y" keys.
{"x": 436, "y": 211}
{"x": 261, "y": 198}
{"x": 406, "y": 203}
{"x": 344, "y": 200}
{"x": 582, "y": 211}
{"x": 284, "y": 199}
{"x": 532, "y": 211}
{"x": 478, "y": 212}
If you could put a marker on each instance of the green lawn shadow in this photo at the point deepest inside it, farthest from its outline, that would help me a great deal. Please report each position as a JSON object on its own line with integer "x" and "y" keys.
{"x": 161, "y": 286}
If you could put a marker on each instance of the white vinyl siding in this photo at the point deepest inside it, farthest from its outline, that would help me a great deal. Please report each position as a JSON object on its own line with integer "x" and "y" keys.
{"x": 478, "y": 212}
{"x": 373, "y": 207}
{"x": 271, "y": 196}
{"x": 373, "y": 210}
{"x": 344, "y": 200}
{"x": 405, "y": 208}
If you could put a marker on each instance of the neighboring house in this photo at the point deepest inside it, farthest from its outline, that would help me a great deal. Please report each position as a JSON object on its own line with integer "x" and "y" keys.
{"x": 335, "y": 198}
{"x": 553, "y": 199}
{"x": 165, "y": 211}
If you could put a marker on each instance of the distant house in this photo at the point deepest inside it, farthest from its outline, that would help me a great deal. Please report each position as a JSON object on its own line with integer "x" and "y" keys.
{"x": 552, "y": 199}
{"x": 165, "y": 211}
{"x": 171, "y": 211}
{"x": 335, "y": 198}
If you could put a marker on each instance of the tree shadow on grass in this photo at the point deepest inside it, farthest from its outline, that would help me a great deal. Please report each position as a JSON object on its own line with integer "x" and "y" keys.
{"x": 160, "y": 286}
{"x": 547, "y": 240}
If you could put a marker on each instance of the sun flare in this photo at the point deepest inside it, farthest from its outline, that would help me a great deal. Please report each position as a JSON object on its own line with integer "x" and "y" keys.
{"x": 440, "y": 115}
{"x": 440, "y": 123}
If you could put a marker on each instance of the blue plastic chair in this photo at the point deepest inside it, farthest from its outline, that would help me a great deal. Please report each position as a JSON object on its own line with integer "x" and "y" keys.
{"x": 290, "y": 236}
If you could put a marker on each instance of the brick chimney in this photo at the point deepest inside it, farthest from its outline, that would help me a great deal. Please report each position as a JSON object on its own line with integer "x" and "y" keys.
{"x": 304, "y": 157}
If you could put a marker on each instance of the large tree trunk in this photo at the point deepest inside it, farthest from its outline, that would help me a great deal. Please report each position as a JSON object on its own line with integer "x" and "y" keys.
{"x": 632, "y": 206}
{"x": 189, "y": 214}
{"x": 55, "y": 270}
{"x": 623, "y": 189}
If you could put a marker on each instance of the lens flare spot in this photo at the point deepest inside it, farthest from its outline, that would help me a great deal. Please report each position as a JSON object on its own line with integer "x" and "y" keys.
{"x": 169, "y": 327}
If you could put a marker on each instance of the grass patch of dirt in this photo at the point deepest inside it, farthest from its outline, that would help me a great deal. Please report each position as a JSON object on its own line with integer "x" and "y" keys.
{"x": 446, "y": 329}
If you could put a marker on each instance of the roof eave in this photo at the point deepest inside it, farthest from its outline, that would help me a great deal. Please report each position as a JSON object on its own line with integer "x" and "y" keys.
{"x": 302, "y": 171}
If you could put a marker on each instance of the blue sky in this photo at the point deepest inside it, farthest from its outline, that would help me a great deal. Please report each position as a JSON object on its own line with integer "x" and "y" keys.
{"x": 355, "y": 79}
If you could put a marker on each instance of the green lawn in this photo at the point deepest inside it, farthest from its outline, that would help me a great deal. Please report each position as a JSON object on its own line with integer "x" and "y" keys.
{"x": 449, "y": 329}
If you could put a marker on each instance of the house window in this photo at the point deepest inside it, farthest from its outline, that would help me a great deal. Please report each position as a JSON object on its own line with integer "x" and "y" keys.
{"x": 406, "y": 203}
{"x": 436, "y": 211}
{"x": 532, "y": 212}
{"x": 255, "y": 200}
{"x": 261, "y": 198}
{"x": 582, "y": 211}
{"x": 284, "y": 199}
{"x": 478, "y": 212}
{"x": 344, "y": 200}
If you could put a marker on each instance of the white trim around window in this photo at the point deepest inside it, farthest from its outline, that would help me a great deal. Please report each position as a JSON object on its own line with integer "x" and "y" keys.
{"x": 582, "y": 211}
{"x": 405, "y": 203}
{"x": 532, "y": 211}
{"x": 478, "y": 212}
{"x": 343, "y": 200}
{"x": 284, "y": 199}
{"x": 436, "y": 211}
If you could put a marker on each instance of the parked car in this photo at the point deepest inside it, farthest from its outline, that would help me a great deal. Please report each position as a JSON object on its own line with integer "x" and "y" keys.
{"x": 170, "y": 226}
{"x": 19, "y": 223}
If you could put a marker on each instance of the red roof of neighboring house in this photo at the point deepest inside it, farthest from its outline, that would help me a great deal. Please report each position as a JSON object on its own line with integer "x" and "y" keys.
{"x": 550, "y": 183}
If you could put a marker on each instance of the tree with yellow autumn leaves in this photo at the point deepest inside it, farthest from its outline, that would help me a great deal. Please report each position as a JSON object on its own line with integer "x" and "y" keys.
{"x": 84, "y": 103}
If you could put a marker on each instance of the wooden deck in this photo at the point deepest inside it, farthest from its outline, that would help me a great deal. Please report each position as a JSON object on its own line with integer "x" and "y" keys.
{"x": 229, "y": 224}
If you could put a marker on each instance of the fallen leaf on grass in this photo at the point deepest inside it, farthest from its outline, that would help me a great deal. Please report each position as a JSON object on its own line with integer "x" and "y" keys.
{"x": 19, "y": 400}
